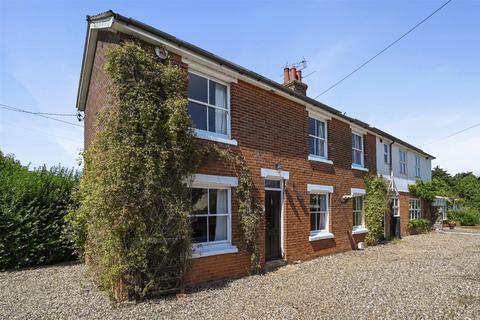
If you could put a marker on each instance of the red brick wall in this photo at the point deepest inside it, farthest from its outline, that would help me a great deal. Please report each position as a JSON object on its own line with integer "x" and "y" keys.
{"x": 271, "y": 130}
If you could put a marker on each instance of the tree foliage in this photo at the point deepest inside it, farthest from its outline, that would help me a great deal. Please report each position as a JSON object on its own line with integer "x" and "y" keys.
{"x": 33, "y": 204}
{"x": 134, "y": 212}
{"x": 375, "y": 207}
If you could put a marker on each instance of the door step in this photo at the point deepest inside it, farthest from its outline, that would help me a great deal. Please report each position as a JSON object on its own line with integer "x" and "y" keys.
{"x": 274, "y": 264}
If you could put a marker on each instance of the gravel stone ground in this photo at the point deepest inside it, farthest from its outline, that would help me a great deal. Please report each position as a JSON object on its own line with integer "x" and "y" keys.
{"x": 431, "y": 276}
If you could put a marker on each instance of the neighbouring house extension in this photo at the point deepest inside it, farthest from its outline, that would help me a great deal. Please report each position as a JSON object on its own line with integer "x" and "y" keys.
{"x": 308, "y": 160}
{"x": 402, "y": 166}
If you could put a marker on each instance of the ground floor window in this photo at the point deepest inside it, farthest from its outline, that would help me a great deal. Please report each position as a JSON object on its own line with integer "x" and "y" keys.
{"x": 358, "y": 220}
{"x": 395, "y": 207}
{"x": 318, "y": 212}
{"x": 211, "y": 215}
{"x": 414, "y": 209}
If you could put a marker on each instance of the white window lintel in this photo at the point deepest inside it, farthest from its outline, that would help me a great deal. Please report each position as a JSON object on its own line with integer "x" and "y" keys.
{"x": 357, "y": 192}
{"x": 272, "y": 174}
{"x": 197, "y": 67}
{"x": 316, "y": 113}
{"x": 211, "y": 181}
{"x": 317, "y": 188}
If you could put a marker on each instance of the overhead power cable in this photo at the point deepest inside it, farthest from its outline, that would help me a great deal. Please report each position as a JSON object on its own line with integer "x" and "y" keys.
{"x": 456, "y": 133}
{"x": 383, "y": 50}
{"x": 39, "y": 114}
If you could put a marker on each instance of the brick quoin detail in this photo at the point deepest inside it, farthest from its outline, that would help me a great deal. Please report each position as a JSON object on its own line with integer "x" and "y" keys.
{"x": 270, "y": 130}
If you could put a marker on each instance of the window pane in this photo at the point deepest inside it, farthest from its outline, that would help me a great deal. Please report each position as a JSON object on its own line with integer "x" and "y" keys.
{"x": 197, "y": 87}
{"x": 311, "y": 144}
{"x": 217, "y": 120}
{"x": 218, "y": 94}
{"x": 198, "y": 113}
{"x": 217, "y": 228}
{"x": 323, "y": 202}
{"x": 357, "y": 157}
{"x": 321, "y": 129}
{"x": 313, "y": 218}
{"x": 314, "y": 202}
{"x": 199, "y": 201}
{"x": 321, "y": 146}
{"x": 323, "y": 221}
{"x": 272, "y": 183}
{"x": 311, "y": 127}
{"x": 199, "y": 227}
{"x": 218, "y": 201}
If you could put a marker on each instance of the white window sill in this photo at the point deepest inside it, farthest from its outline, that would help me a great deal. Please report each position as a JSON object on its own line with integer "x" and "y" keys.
{"x": 359, "y": 230}
{"x": 213, "y": 250}
{"x": 319, "y": 159}
{"x": 206, "y": 135}
{"x": 357, "y": 167}
{"x": 314, "y": 236}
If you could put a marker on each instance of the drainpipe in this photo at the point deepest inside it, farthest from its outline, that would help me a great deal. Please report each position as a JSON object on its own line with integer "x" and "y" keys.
{"x": 391, "y": 157}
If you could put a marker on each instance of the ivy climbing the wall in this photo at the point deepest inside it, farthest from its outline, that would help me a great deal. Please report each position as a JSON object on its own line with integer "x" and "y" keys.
{"x": 375, "y": 207}
{"x": 135, "y": 206}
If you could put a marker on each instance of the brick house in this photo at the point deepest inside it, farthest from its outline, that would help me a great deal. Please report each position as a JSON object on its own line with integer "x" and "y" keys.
{"x": 308, "y": 160}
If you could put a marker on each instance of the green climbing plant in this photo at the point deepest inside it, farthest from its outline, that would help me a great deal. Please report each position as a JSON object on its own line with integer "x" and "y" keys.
{"x": 134, "y": 205}
{"x": 375, "y": 206}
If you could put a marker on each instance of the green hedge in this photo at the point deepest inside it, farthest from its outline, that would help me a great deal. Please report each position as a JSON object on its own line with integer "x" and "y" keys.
{"x": 466, "y": 216}
{"x": 418, "y": 226}
{"x": 32, "y": 209}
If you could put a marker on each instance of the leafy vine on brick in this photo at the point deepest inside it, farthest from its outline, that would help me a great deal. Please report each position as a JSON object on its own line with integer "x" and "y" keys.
{"x": 375, "y": 207}
{"x": 135, "y": 206}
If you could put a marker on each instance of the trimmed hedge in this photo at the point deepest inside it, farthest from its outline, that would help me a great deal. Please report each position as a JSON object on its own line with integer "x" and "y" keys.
{"x": 32, "y": 209}
{"x": 466, "y": 216}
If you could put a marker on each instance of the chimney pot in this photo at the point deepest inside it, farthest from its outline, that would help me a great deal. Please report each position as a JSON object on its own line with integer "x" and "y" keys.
{"x": 293, "y": 73}
{"x": 299, "y": 75}
{"x": 286, "y": 76}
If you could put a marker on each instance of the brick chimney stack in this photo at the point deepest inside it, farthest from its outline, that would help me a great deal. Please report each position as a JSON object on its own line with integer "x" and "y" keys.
{"x": 292, "y": 79}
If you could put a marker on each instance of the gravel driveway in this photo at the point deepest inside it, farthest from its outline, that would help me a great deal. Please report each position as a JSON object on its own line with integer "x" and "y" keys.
{"x": 432, "y": 276}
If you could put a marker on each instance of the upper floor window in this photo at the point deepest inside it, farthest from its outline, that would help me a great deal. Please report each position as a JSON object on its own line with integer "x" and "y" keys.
{"x": 386, "y": 153}
{"x": 358, "y": 221}
{"x": 210, "y": 217}
{"x": 417, "y": 166}
{"x": 357, "y": 149}
{"x": 403, "y": 161}
{"x": 318, "y": 212}
{"x": 414, "y": 208}
{"x": 317, "y": 137}
{"x": 208, "y": 104}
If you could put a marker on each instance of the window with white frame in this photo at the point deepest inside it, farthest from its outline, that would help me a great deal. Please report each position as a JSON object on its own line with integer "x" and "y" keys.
{"x": 318, "y": 213}
{"x": 211, "y": 216}
{"x": 357, "y": 149}
{"x": 317, "y": 137}
{"x": 208, "y": 104}
{"x": 386, "y": 153}
{"x": 395, "y": 207}
{"x": 358, "y": 221}
{"x": 403, "y": 161}
{"x": 417, "y": 166}
{"x": 415, "y": 209}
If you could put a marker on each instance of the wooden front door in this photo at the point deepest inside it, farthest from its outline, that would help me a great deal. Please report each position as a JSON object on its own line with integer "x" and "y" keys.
{"x": 273, "y": 205}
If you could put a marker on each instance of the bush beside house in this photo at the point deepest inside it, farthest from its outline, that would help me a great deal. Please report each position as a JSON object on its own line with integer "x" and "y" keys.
{"x": 466, "y": 216}
{"x": 33, "y": 204}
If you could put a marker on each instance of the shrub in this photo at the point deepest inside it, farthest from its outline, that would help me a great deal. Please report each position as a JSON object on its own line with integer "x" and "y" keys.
{"x": 33, "y": 204}
{"x": 416, "y": 226}
{"x": 466, "y": 216}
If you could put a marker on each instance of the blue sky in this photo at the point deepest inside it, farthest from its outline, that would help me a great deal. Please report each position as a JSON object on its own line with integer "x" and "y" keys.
{"x": 421, "y": 90}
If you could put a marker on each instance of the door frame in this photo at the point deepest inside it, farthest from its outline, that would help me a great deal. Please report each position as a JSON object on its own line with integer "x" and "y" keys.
{"x": 280, "y": 189}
